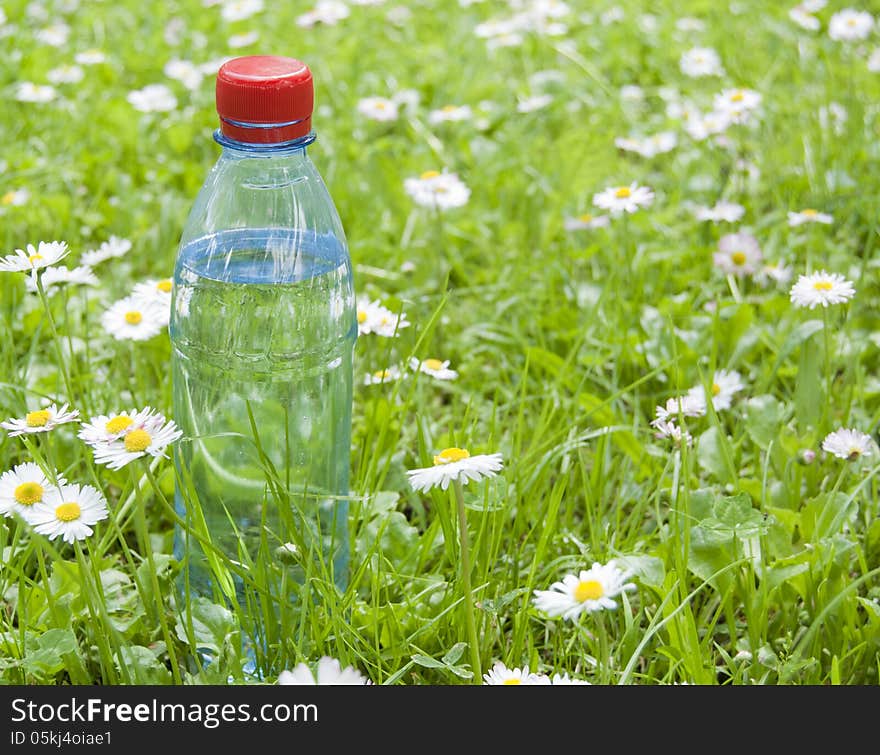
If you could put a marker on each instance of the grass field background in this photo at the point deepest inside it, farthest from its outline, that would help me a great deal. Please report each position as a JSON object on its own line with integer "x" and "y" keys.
{"x": 754, "y": 552}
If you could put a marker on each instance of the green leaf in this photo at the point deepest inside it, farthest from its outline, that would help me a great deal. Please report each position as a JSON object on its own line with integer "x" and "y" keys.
{"x": 764, "y": 416}
{"x": 648, "y": 569}
{"x": 711, "y": 454}
{"x": 211, "y": 624}
{"x": 427, "y": 661}
{"x": 454, "y": 653}
{"x": 736, "y": 516}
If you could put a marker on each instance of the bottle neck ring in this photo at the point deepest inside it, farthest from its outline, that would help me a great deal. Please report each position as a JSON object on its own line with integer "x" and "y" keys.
{"x": 264, "y": 148}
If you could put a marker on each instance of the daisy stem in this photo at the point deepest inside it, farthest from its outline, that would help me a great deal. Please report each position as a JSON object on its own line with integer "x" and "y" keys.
{"x": 734, "y": 289}
{"x": 826, "y": 333}
{"x": 55, "y": 339}
{"x": 466, "y": 585}
{"x": 122, "y": 511}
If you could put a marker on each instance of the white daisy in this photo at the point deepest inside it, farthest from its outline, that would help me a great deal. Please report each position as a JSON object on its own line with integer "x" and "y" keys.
{"x": 533, "y": 103}
{"x": 329, "y": 672}
{"x": 835, "y": 116}
{"x": 153, "y": 98}
{"x": 803, "y": 18}
{"x": 112, "y": 247}
{"x": 237, "y": 41}
{"x": 667, "y": 429}
{"x": 55, "y": 35}
{"x": 15, "y": 197}
{"x": 585, "y": 220}
{"x": 388, "y": 375}
{"x": 441, "y": 191}
{"x": 618, "y": 199}
{"x": 650, "y": 146}
{"x": 454, "y": 464}
{"x": 184, "y": 71}
{"x": 69, "y": 512}
{"x": 131, "y": 318}
{"x": 702, "y": 126}
{"x": 433, "y": 367}
{"x": 450, "y": 113}
{"x": 728, "y": 212}
{"x": 53, "y": 276}
{"x": 378, "y": 109}
{"x": 821, "y": 288}
{"x": 22, "y": 487}
{"x": 239, "y": 10}
{"x": 724, "y": 386}
{"x": 738, "y": 253}
{"x": 778, "y": 272}
{"x": 329, "y": 12}
{"x": 373, "y": 317}
{"x": 499, "y": 674}
{"x": 850, "y": 24}
{"x": 40, "y": 420}
{"x": 632, "y": 93}
{"x": 154, "y": 290}
{"x": 151, "y": 435}
{"x": 679, "y": 406}
{"x": 90, "y": 57}
{"x": 27, "y": 91}
{"x": 874, "y": 61}
{"x": 701, "y": 61}
{"x": 848, "y": 443}
{"x": 737, "y": 104}
{"x": 591, "y": 590}
{"x": 507, "y": 39}
{"x": 35, "y": 257}
{"x": 809, "y": 216}
{"x": 566, "y": 679}
{"x": 65, "y": 74}
{"x": 107, "y": 428}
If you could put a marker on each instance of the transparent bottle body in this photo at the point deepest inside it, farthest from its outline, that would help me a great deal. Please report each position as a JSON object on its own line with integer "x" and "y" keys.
{"x": 263, "y": 327}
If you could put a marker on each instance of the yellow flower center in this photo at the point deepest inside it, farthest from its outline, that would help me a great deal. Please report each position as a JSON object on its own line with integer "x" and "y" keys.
{"x": 585, "y": 218}
{"x": 623, "y": 192}
{"x": 854, "y": 453}
{"x": 448, "y": 455}
{"x": 28, "y": 493}
{"x": 450, "y": 108}
{"x": 822, "y": 285}
{"x": 588, "y": 589}
{"x": 809, "y": 212}
{"x": 737, "y": 97}
{"x": 8, "y": 198}
{"x": 164, "y": 286}
{"x": 738, "y": 258}
{"x": 381, "y": 374}
{"x": 35, "y": 258}
{"x": 68, "y": 512}
{"x": 362, "y": 317}
{"x": 433, "y": 364}
{"x": 37, "y": 419}
{"x": 428, "y": 174}
{"x": 716, "y": 389}
{"x": 137, "y": 441}
{"x": 380, "y": 105}
{"x": 134, "y": 317}
{"x": 512, "y": 680}
{"x": 850, "y": 22}
{"x": 118, "y": 423}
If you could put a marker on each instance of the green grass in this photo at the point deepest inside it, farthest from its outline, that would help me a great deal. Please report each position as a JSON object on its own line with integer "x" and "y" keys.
{"x": 752, "y": 566}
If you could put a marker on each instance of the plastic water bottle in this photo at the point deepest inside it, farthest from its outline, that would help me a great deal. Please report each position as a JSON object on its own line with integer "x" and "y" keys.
{"x": 263, "y": 328}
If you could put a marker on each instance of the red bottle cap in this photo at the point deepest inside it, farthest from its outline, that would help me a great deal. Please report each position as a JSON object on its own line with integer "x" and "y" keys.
{"x": 265, "y": 99}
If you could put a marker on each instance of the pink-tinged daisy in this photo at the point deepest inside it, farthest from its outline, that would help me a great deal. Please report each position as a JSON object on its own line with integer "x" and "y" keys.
{"x": 848, "y": 443}
{"x": 130, "y": 436}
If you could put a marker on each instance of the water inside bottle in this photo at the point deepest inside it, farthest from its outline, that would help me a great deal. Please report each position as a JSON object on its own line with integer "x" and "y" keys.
{"x": 263, "y": 329}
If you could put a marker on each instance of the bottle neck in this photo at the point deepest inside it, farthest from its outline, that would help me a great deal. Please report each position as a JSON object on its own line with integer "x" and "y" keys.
{"x": 236, "y": 149}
